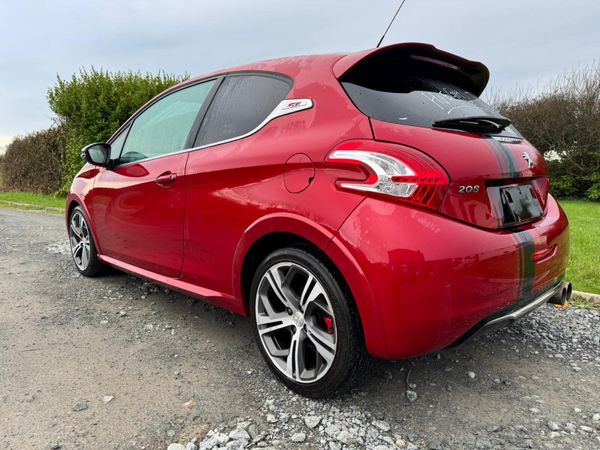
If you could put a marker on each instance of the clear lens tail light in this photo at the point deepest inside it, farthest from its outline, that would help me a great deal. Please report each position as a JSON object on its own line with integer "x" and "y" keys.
{"x": 392, "y": 170}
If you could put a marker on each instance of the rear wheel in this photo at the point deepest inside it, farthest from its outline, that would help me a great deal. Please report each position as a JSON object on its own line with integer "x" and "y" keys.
{"x": 83, "y": 248}
{"x": 305, "y": 323}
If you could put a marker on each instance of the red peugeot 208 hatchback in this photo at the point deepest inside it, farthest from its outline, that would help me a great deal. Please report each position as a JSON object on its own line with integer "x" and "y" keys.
{"x": 351, "y": 204}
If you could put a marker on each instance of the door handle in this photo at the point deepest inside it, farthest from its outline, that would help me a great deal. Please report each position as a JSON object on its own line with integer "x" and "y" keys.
{"x": 165, "y": 179}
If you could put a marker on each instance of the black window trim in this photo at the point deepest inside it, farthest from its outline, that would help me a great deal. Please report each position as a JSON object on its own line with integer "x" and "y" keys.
{"x": 197, "y": 125}
{"x": 189, "y": 142}
{"x": 264, "y": 122}
{"x": 117, "y": 135}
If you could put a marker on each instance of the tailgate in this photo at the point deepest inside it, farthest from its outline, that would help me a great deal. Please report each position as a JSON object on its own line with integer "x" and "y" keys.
{"x": 494, "y": 182}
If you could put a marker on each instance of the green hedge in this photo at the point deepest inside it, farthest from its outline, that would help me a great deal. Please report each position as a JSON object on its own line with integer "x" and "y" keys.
{"x": 34, "y": 162}
{"x": 570, "y": 186}
{"x": 563, "y": 122}
{"x": 94, "y": 103}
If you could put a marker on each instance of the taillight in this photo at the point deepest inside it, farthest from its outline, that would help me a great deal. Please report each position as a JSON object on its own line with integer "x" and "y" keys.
{"x": 392, "y": 170}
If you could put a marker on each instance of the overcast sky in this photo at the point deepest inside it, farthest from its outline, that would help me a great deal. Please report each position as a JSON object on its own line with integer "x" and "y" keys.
{"x": 523, "y": 42}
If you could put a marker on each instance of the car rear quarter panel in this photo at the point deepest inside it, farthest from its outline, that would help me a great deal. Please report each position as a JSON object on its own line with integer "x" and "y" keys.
{"x": 433, "y": 278}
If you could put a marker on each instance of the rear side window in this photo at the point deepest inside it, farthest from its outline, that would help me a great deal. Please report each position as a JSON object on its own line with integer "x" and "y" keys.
{"x": 415, "y": 92}
{"x": 164, "y": 127}
{"x": 240, "y": 105}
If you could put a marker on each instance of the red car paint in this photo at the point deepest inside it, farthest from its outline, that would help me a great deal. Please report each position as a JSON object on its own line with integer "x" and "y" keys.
{"x": 421, "y": 276}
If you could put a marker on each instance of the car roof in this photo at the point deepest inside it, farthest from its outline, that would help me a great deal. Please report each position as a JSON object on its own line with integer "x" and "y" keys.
{"x": 291, "y": 66}
{"x": 336, "y": 65}
{"x": 340, "y": 63}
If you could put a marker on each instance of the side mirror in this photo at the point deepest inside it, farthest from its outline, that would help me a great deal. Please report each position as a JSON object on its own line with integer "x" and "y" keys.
{"x": 97, "y": 154}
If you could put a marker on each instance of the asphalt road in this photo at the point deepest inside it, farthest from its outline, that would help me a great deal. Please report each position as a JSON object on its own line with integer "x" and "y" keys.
{"x": 117, "y": 362}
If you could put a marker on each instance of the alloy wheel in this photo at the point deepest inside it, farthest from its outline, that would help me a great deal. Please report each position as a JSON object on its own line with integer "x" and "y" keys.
{"x": 79, "y": 235}
{"x": 296, "y": 322}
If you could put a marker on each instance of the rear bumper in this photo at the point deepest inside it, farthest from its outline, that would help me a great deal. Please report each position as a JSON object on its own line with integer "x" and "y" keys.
{"x": 422, "y": 281}
{"x": 508, "y": 316}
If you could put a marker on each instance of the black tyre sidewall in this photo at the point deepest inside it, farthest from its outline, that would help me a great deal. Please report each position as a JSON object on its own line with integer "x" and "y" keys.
{"x": 347, "y": 328}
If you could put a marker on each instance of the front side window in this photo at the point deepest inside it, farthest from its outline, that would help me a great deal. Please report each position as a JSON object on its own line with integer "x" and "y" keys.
{"x": 117, "y": 145}
{"x": 164, "y": 127}
{"x": 241, "y": 105}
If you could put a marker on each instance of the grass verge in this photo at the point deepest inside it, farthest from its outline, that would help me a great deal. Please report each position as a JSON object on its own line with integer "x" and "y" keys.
{"x": 31, "y": 201}
{"x": 584, "y": 304}
{"x": 584, "y": 260}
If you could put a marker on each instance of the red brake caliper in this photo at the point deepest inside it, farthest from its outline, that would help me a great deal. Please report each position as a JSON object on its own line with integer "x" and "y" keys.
{"x": 329, "y": 324}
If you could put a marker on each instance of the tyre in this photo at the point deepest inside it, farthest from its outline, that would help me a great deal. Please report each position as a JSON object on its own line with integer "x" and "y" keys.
{"x": 305, "y": 323}
{"x": 83, "y": 247}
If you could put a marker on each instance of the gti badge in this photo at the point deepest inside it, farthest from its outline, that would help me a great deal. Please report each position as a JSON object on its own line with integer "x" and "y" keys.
{"x": 527, "y": 158}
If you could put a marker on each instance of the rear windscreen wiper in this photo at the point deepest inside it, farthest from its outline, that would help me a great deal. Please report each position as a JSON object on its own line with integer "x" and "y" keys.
{"x": 479, "y": 124}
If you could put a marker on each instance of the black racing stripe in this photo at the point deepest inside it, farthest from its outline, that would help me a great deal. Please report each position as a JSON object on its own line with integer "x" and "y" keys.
{"x": 519, "y": 243}
{"x": 503, "y": 156}
{"x": 494, "y": 197}
{"x": 493, "y": 194}
{"x": 527, "y": 264}
{"x": 529, "y": 270}
{"x": 509, "y": 157}
{"x": 497, "y": 155}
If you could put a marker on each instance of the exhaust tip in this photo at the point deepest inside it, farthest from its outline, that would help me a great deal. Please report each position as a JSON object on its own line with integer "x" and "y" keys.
{"x": 562, "y": 295}
{"x": 569, "y": 290}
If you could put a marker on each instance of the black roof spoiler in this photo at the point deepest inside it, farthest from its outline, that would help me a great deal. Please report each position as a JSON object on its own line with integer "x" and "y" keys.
{"x": 476, "y": 72}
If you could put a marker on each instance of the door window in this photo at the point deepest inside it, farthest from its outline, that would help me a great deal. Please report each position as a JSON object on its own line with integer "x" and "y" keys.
{"x": 240, "y": 105}
{"x": 164, "y": 127}
{"x": 117, "y": 145}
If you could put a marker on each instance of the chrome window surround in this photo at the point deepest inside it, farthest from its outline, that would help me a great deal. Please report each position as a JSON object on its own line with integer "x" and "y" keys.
{"x": 284, "y": 108}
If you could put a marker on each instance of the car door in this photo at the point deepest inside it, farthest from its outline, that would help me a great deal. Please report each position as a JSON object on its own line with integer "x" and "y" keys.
{"x": 138, "y": 204}
{"x": 229, "y": 174}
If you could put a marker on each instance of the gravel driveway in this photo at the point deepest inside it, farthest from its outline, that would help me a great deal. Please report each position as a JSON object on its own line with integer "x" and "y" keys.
{"x": 117, "y": 362}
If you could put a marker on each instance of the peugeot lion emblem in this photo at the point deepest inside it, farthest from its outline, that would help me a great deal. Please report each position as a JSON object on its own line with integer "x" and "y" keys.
{"x": 527, "y": 158}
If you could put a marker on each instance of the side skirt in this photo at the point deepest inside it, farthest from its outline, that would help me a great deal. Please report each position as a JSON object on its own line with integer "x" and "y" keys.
{"x": 220, "y": 299}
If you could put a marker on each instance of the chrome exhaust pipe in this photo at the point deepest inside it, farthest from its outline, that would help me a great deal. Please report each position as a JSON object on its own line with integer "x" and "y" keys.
{"x": 562, "y": 294}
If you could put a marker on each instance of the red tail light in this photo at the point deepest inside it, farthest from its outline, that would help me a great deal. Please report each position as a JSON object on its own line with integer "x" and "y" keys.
{"x": 392, "y": 170}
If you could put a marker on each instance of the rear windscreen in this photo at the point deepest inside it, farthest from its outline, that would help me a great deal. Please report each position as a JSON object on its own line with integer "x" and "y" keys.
{"x": 415, "y": 93}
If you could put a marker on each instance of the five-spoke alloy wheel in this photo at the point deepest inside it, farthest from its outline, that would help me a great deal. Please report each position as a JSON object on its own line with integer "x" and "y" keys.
{"x": 83, "y": 248}
{"x": 305, "y": 323}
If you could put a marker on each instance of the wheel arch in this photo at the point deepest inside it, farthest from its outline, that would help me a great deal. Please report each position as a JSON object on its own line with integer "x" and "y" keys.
{"x": 72, "y": 202}
{"x": 269, "y": 234}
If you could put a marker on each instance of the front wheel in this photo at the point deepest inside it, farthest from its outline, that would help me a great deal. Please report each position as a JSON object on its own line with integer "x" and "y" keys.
{"x": 83, "y": 247}
{"x": 306, "y": 324}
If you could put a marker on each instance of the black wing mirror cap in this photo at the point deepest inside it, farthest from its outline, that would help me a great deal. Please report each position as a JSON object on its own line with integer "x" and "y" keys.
{"x": 97, "y": 154}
